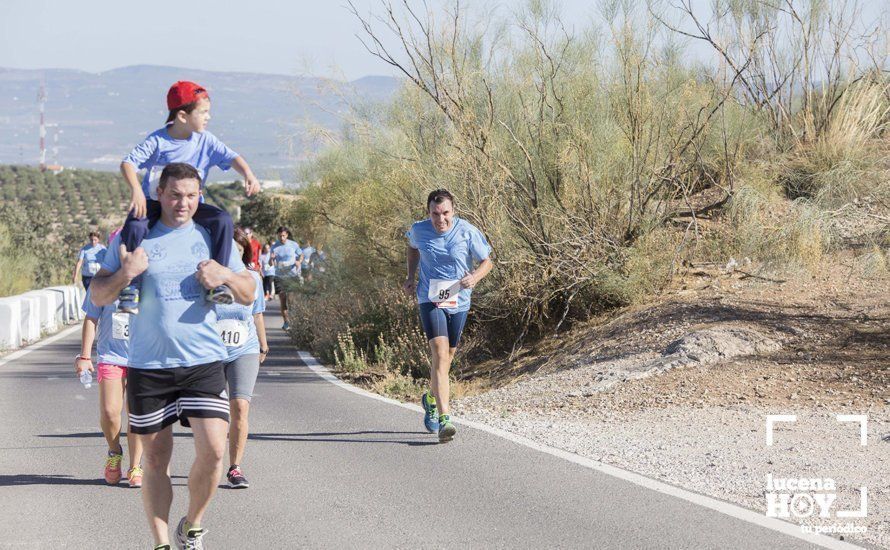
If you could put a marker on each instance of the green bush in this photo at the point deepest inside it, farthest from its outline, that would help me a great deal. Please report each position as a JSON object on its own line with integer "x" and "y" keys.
{"x": 17, "y": 265}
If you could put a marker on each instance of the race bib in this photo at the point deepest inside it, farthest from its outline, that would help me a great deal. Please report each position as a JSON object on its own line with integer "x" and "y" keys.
{"x": 233, "y": 332}
{"x": 120, "y": 326}
{"x": 154, "y": 178}
{"x": 92, "y": 268}
{"x": 443, "y": 292}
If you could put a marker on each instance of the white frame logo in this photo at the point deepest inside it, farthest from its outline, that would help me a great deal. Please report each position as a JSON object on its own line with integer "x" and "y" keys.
{"x": 806, "y": 497}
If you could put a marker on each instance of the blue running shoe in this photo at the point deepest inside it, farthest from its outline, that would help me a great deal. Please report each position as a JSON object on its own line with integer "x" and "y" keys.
{"x": 221, "y": 295}
{"x": 431, "y": 413}
{"x": 128, "y": 300}
{"x": 446, "y": 429}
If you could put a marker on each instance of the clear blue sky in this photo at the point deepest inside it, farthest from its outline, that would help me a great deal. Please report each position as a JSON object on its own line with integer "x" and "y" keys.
{"x": 273, "y": 36}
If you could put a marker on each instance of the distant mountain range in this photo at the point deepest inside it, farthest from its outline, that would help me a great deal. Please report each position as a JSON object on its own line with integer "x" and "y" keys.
{"x": 94, "y": 119}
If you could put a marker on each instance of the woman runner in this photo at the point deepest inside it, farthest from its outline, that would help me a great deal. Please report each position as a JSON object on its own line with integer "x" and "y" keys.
{"x": 243, "y": 331}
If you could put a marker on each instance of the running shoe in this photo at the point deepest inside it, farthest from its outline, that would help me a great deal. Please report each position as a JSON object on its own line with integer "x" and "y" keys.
{"x": 236, "y": 478}
{"x": 446, "y": 429}
{"x": 134, "y": 476}
{"x": 162, "y": 547}
{"x": 113, "y": 467}
{"x": 221, "y": 295}
{"x": 285, "y": 326}
{"x": 430, "y": 413}
{"x": 128, "y": 300}
{"x": 191, "y": 540}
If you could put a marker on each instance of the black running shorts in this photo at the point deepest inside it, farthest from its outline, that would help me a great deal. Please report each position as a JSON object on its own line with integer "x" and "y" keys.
{"x": 160, "y": 397}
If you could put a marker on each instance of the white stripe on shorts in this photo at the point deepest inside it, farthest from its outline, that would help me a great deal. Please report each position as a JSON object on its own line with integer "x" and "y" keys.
{"x": 150, "y": 419}
{"x": 200, "y": 403}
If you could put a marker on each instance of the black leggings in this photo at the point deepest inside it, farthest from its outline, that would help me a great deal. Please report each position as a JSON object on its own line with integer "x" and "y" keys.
{"x": 267, "y": 284}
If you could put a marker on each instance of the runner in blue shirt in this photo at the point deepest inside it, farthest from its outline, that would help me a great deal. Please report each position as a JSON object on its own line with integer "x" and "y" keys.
{"x": 89, "y": 260}
{"x": 175, "y": 364}
{"x": 111, "y": 364}
{"x": 184, "y": 139}
{"x": 445, "y": 248}
{"x": 267, "y": 265}
{"x": 288, "y": 258}
{"x": 243, "y": 331}
{"x": 306, "y": 267}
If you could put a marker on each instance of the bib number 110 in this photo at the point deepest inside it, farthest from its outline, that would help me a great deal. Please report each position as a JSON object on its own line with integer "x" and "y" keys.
{"x": 231, "y": 337}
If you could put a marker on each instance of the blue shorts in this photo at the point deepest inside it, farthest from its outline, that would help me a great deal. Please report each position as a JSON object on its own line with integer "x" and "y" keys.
{"x": 438, "y": 322}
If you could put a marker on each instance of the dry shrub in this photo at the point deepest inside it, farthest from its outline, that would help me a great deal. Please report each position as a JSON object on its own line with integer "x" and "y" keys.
{"x": 580, "y": 157}
{"x": 844, "y": 161}
{"x": 764, "y": 227}
{"x": 357, "y": 328}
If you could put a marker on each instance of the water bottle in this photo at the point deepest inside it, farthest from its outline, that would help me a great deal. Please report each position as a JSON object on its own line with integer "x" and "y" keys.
{"x": 86, "y": 378}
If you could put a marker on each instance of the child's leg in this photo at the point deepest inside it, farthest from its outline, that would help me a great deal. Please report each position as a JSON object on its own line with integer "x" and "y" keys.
{"x": 136, "y": 229}
{"x": 219, "y": 224}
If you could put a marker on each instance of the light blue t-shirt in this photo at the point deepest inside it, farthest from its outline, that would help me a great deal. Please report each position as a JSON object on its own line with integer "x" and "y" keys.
{"x": 267, "y": 264}
{"x": 202, "y": 150}
{"x": 113, "y": 339}
{"x": 447, "y": 256}
{"x": 92, "y": 257}
{"x": 307, "y": 255}
{"x": 286, "y": 254}
{"x": 241, "y": 314}
{"x": 176, "y": 325}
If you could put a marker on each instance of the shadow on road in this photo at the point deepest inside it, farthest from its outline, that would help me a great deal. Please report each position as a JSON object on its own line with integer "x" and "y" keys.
{"x": 334, "y": 437}
{"x": 40, "y": 479}
{"x": 99, "y": 435}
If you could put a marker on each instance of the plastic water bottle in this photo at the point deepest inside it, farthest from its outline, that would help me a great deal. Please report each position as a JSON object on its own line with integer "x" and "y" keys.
{"x": 86, "y": 378}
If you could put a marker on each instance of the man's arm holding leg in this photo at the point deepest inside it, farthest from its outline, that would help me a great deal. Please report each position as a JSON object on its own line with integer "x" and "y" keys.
{"x": 242, "y": 284}
{"x": 109, "y": 285}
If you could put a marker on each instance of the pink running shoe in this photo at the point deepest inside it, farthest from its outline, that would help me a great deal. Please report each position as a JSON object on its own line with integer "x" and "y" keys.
{"x": 113, "y": 467}
{"x": 134, "y": 476}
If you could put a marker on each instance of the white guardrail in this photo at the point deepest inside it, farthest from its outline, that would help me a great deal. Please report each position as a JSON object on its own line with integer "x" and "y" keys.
{"x": 27, "y": 317}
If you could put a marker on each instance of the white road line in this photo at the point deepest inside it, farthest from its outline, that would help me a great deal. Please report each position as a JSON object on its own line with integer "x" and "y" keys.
{"x": 732, "y": 510}
{"x": 22, "y": 352}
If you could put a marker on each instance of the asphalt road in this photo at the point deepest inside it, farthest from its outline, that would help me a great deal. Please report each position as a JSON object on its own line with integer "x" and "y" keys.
{"x": 328, "y": 468}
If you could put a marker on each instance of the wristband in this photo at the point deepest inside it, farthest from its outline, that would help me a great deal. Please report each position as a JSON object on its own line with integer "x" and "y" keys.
{"x": 78, "y": 357}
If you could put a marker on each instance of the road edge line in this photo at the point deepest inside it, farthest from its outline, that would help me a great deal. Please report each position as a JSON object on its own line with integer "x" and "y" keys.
{"x": 37, "y": 345}
{"x": 732, "y": 510}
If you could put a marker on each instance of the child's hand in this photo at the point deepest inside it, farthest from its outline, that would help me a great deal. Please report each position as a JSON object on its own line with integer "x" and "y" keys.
{"x": 137, "y": 203}
{"x": 251, "y": 186}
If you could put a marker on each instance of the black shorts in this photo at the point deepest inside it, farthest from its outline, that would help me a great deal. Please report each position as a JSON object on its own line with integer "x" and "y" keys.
{"x": 160, "y": 397}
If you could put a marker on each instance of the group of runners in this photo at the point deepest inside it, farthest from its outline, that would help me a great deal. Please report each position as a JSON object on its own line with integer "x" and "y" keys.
{"x": 175, "y": 305}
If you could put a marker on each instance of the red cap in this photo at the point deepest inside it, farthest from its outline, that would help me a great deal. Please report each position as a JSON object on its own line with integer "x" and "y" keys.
{"x": 183, "y": 93}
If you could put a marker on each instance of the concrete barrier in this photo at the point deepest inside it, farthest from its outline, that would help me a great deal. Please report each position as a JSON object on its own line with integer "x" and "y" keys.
{"x": 69, "y": 307}
{"x": 30, "y": 320}
{"x": 24, "y": 318}
{"x": 10, "y": 323}
{"x": 48, "y": 302}
{"x": 79, "y": 295}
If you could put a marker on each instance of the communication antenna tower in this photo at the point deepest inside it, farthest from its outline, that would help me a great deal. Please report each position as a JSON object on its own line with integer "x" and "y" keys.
{"x": 41, "y": 99}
